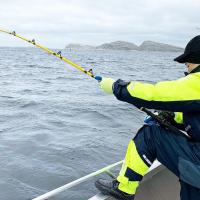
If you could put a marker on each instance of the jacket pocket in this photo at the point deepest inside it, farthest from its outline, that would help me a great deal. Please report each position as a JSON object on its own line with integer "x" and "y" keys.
{"x": 189, "y": 172}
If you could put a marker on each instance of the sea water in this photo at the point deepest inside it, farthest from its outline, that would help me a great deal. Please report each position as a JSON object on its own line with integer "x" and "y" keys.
{"x": 56, "y": 125}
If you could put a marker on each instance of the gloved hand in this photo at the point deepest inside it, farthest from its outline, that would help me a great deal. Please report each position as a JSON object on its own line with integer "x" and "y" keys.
{"x": 168, "y": 116}
{"x": 163, "y": 115}
{"x": 106, "y": 84}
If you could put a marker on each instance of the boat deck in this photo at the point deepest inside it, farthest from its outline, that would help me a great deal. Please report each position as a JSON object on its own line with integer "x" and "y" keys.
{"x": 158, "y": 184}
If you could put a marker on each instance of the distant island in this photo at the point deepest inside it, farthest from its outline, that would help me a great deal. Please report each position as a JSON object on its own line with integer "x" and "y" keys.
{"x": 122, "y": 45}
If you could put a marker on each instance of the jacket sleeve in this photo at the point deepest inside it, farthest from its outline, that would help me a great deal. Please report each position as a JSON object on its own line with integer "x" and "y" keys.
{"x": 182, "y": 95}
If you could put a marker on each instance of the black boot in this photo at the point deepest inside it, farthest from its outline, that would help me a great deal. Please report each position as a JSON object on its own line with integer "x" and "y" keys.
{"x": 111, "y": 188}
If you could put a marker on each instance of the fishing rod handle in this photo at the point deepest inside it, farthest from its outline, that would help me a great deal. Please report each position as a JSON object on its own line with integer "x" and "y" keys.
{"x": 165, "y": 123}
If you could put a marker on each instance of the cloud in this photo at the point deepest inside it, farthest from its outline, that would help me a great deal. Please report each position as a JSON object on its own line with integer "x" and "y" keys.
{"x": 56, "y": 23}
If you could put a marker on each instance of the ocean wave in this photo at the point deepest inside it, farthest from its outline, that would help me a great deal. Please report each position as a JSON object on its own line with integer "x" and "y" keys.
{"x": 30, "y": 104}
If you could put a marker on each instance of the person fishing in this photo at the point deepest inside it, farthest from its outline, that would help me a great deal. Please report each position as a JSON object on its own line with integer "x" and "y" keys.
{"x": 179, "y": 103}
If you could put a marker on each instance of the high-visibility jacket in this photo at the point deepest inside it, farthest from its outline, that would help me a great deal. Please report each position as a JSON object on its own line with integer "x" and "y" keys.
{"x": 182, "y": 95}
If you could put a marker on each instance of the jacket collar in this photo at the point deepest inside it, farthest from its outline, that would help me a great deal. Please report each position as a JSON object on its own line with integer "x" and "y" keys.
{"x": 197, "y": 69}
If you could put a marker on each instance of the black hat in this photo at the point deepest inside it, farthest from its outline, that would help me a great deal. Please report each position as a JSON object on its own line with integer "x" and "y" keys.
{"x": 191, "y": 53}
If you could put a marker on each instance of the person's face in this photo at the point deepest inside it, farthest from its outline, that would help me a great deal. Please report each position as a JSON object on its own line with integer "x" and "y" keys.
{"x": 191, "y": 66}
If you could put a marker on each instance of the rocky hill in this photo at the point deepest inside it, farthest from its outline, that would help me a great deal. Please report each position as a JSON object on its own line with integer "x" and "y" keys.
{"x": 118, "y": 45}
{"x": 122, "y": 45}
{"x": 156, "y": 46}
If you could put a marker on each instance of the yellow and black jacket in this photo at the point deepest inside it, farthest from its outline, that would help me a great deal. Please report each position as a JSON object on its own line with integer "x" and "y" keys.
{"x": 181, "y": 96}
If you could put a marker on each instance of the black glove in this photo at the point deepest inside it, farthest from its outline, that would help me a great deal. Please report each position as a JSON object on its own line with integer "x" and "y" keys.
{"x": 167, "y": 116}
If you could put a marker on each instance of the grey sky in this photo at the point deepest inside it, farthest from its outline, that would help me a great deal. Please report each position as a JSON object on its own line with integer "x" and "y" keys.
{"x": 59, "y": 22}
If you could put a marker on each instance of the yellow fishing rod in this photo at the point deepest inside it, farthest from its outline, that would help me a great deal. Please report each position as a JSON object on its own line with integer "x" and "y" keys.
{"x": 58, "y": 54}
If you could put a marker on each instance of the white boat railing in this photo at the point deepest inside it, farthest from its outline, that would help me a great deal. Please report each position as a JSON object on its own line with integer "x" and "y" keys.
{"x": 78, "y": 181}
